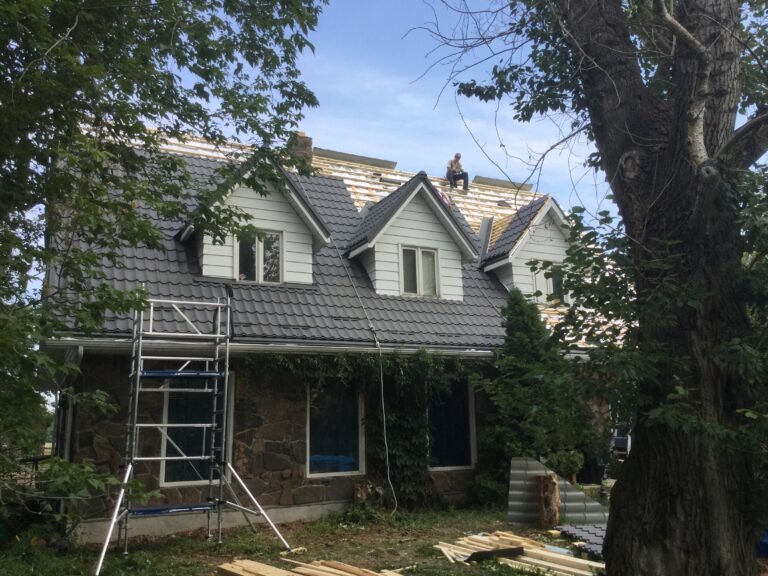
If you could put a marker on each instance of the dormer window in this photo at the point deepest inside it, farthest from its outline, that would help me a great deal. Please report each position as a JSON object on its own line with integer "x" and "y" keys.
{"x": 419, "y": 272}
{"x": 261, "y": 260}
{"x": 556, "y": 279}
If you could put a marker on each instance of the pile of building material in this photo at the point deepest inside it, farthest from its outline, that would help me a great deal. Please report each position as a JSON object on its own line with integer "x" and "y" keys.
{"x": 316, "y": 568}
{"x": 523, "y": 553}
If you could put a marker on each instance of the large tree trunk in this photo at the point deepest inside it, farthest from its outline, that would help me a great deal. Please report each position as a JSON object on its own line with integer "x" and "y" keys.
{"x": 682, "y": 503}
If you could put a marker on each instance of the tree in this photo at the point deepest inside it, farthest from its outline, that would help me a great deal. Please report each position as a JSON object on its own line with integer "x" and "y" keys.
{"x": 541, "y": 405}
{"x": 657, "y": 87}
{"x": 90, "y": 93}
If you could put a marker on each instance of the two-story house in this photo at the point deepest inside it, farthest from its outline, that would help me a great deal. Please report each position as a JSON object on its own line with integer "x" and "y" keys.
{"x": 359, "y": 258}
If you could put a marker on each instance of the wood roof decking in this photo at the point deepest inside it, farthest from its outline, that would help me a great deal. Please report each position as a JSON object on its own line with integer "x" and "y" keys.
{"x": 365, "y": 184}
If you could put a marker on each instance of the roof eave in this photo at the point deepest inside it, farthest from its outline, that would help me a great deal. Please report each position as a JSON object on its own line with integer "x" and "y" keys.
{"x": 123, "y": 344}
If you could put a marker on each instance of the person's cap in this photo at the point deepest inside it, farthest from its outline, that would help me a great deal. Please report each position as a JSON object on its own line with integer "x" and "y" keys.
{"x": 457, "y": 155}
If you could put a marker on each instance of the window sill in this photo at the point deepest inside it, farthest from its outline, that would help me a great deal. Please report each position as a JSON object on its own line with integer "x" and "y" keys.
{"x": 333, "y": 474}
{"x": 450, "y": 468}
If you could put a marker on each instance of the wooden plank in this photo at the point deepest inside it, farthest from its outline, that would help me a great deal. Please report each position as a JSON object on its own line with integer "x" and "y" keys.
{"x": 554, "y": 566}
{"x": 308, "y": 571}
{"x": 259, "y": 569}
{"x": 317, "y": 568}
{"x": 528, "y": 567}
{"x": 458, "y": 548}
{"x": 348, "y": 568}
{"x": 479, "y": 541}
{"x": 229, "y": 569}
{"x": 446, "y": 553}
{"x": 251, "y": 568}
{"x": 522, "y": 540}
{"x": 563, "y": 559}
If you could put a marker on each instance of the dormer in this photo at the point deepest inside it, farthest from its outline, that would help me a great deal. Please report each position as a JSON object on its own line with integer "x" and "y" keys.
{"x": 535, "y": 232}
{"x": 292, "y": 232}
{"x": 413, "y": 244}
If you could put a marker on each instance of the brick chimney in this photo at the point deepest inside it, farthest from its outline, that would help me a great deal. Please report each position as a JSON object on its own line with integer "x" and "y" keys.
{"x": 301, "y": 147}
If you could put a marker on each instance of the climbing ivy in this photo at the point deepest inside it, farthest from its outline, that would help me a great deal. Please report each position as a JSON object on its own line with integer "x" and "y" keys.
{"x": 409, "y": 384}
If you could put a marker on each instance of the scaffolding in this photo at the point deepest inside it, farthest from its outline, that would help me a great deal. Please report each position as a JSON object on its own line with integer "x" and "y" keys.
{"x": 204, "y": 328}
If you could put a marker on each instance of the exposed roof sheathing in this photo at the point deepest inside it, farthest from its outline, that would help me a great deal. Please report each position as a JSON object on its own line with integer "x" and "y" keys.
{"x": 367, "y": 183}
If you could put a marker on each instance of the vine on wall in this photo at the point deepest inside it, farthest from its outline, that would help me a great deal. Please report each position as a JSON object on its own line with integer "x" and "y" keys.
{"x": 409, "y": 384}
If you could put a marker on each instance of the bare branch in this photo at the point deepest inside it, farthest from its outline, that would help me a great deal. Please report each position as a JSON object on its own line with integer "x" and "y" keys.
{"x": 50, "y": 49}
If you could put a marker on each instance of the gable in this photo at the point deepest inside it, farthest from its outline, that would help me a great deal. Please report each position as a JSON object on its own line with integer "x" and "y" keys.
{"x": 273, "y": 213}
{"x": 381, "y": 216}
{"x": 544, "y": 240}
{"x": 416, "y": 226}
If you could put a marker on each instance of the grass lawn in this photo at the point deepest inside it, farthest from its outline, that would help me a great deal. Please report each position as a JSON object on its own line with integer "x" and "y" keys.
{"x": 359, "y": 537}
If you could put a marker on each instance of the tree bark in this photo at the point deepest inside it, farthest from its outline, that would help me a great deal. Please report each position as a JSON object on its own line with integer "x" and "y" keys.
{"x": 682, "y": 503}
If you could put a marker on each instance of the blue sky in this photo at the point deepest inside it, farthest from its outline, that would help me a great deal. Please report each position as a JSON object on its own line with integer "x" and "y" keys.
{"x": 368, "y": 73}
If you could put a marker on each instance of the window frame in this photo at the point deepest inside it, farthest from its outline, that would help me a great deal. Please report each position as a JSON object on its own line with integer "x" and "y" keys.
{"x": 545, "y": 276}
{"x": 259, "y": 259}
{"x": 360, "y": 440}
{"x": 472, "y": 437}
{"x": 419, "y": 266}
{"x": 230, "y": 430}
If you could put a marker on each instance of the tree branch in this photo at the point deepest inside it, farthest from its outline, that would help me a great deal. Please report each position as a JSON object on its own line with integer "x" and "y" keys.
{"x": 621, "y": 107}
{"x": 746, "y": 145}
{"x": 697, "y": 148}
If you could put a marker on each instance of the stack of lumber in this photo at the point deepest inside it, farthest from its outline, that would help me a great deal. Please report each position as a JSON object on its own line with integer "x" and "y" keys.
{"x": 316, "y": 568}
{"x": 523, "y": 553}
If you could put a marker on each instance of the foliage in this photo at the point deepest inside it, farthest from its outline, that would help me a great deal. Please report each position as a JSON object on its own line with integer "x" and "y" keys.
{"x": 409, "y": 384}
{"x": 90, "y": 94}
{"x": 541, "y": 404}
{"x": 673, "y": 309}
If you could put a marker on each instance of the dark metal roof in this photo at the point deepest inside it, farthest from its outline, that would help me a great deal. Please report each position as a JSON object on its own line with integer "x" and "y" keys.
{"x": 506, "y": 232}
{"x": 330, "y": 311}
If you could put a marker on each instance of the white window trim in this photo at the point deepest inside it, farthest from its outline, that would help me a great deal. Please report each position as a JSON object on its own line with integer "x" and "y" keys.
{"x": 472, "y": 437}
{"x": 419, "y": 250}
{"x": 230, "y": 429}
{"x": 360, "y": 441}
{"x": 259, "y": 260}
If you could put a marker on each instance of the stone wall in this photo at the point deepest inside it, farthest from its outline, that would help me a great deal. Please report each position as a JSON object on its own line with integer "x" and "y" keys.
{"x": 269, "y": 439}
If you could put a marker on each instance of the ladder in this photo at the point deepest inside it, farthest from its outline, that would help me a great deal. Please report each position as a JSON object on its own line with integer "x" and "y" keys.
{"x": 199, "y": 377}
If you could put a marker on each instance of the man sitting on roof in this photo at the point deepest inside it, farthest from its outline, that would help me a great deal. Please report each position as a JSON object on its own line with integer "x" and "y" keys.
{"x": 456, "y": 172}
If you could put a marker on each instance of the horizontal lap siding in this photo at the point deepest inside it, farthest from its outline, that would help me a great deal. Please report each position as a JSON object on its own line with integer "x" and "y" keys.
{"x": 272, "y": 213}
{"x": 545, "y": 242}
{"x": 418, "y": 226}
{"x": 505, "y": 276}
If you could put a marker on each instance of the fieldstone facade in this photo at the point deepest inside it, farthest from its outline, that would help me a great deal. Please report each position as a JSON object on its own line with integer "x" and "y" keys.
{"x": 269, "y": 439}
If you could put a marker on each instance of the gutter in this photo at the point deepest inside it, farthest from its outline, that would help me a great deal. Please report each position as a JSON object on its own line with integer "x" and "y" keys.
{"x": 123, "y": 345}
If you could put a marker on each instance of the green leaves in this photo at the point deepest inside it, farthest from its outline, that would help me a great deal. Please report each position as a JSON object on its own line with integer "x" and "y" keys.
{"x": 89, "y": 94}
{"x": 540, "y": 403}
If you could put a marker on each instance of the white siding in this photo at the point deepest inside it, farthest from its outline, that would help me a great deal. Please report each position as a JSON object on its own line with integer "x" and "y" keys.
{"x": 545, "y": 242}
{"x": 417, "y": 225}
{"x": 504, "y": 274}
{"x": 272, "y": 213}
{"x": 368, "y": 259}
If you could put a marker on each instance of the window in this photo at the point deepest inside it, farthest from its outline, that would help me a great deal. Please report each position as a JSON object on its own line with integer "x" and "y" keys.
{"x": 555, "y": 285}
{"x": 419, "y": 272}
{"x": 451, "y": 426}
{"x": 335, "y": 443}
{"x": 187, "y": 408}
{"x": 549, "y": 283}
{"x": 261, "y": 260}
